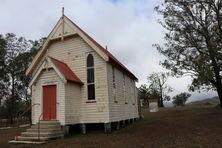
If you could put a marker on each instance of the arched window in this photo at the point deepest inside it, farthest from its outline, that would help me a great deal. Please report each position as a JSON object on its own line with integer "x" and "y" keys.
{"x": 90, "y": 77}
{"x": 114, "y": 84}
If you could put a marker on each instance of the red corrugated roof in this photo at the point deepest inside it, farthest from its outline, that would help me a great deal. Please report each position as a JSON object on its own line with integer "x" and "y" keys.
{"x": 112, "y": 59}
{"x": 66, "y": 71}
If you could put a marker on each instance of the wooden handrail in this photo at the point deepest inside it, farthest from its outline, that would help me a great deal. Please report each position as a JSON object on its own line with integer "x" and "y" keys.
{"x": 28, "y": 108}
{"x": 39, "y": 126}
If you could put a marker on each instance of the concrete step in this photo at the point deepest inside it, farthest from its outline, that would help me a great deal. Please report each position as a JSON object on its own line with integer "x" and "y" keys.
{"x": 49, "y": 122}
{"x": 32, "y": 130}
{"x": 47, "y": 130}
{"x": 22, "y": 138}
{"x": 26, "y": 142}
{"x": 46, "y": 126}
{"x": 41, "y": 134}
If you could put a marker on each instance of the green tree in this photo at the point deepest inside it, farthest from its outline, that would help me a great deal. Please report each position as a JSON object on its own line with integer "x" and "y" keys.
{"x": 16, "y": 54}
{"x": 14, "y": 47}
{"x": 158, "y": 86}
{"x": 193, "y": 42}
{"x": 3, "y": 76}
{"x": 23, "y": 60}
{"x": 144, "y": 93}
{"x": 36, "y": 46}
{"x": 180, "y": 99}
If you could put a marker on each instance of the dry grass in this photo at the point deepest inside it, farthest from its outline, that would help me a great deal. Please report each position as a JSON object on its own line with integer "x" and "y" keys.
{"x": 177, "y": 127}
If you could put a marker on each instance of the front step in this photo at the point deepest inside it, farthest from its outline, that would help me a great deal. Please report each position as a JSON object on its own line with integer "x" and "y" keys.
{"x": 54, "y": 122}
{"x": 21, "y": 138}
{"x": 26, "y": 142}
{"x": 42, "y": 131}
{"x": 41, "y": 134}
{"x": 49, "y": 121}
{"x": 46, "y": 126}
{"x": 33, "y": 130}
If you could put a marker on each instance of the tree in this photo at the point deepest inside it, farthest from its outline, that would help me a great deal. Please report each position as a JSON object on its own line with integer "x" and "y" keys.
{"x": 180, "y": 99}
{"x": 158, "y": 87}
{"x": 14, "y": 47}
{"x": 23, "y": 60}
{"x": 15, "y": 56}
{"x": 218, "y": 2}
{"x": 3, "y": 76}
{"x": 193, "y": 42}
{"x": 36, "y": 46}
{"x": 143, "y": 93}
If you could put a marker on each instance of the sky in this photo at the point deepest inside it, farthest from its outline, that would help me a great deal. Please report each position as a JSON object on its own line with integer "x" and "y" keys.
{"x": 128, "y": 28}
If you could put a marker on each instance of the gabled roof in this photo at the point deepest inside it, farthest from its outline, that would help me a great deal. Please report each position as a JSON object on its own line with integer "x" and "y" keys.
{"x": 66, "y": 71}
{"x": 62, "y": 69}
{"x": 112, "y": 59}
{"x": 65, "y": 25}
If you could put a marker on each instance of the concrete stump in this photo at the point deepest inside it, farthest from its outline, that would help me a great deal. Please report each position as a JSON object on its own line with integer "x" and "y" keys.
{"x": 65, "y": 130}
{"x": 83, "y": 128}
{"x": 117, "y": 125}
{"x": 107, "y": 127}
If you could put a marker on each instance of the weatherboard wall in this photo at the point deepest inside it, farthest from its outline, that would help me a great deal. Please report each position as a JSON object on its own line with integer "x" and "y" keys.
{"x": 73, "y": 51}
{"x": 125, "y": 105}
{"x": 72, "y": 103}
{"x": 48, "y": 77}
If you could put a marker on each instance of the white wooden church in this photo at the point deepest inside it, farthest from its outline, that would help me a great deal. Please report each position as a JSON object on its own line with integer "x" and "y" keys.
{"x": 77, "y": 81}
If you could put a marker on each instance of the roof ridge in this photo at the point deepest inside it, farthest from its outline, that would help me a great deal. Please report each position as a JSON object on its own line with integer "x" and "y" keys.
{"x": 109, "y": 54}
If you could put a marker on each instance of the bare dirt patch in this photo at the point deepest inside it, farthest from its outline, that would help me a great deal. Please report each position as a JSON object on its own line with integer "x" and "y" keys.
{"x": 176, "y": 127}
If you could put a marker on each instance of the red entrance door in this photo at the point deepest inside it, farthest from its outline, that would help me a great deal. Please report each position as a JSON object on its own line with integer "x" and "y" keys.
{"x": 49, "y": 102}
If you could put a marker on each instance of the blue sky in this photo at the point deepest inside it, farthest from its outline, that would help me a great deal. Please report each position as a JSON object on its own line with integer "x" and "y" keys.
{"x": 127, "y": 27}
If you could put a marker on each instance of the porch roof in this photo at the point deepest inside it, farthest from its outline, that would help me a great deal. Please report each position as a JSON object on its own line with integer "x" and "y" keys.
{"x": 66, "y": 71}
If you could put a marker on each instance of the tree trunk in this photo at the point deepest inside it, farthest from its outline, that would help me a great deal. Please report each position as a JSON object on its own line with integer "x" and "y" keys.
{"x": 219, "y": 92}
{"x": 11, "y": 120}
{"x": 161, "y": 102}
{"x": 12, "y": 98}
{"x": 161, "y": 94}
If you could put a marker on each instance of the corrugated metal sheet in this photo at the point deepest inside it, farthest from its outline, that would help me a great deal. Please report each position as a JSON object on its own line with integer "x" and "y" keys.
{"x": 66, "y": 71}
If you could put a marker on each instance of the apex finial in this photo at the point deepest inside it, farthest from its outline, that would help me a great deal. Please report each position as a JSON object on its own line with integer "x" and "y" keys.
{"x": 62, "y": 10}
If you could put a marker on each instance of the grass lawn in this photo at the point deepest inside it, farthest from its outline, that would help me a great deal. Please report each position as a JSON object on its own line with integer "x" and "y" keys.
{"x": 176, "y": 127}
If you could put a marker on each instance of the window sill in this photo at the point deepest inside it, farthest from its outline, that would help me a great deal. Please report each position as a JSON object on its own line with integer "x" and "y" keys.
{"x": 115, "y": 101}
{"x": 91, "y": 101}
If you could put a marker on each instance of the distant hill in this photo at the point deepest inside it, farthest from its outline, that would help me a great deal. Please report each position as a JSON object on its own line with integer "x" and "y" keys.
{"x": 206, "y": 102}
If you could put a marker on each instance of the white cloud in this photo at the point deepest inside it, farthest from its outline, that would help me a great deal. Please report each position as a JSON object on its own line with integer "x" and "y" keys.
{"x": 127, "y": 27}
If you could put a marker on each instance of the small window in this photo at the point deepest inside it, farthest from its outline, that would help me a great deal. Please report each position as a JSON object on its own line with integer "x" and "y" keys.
{"x": 132, "y": 91}
{"x": 114, "y": 84}
{"x": 90, "y": 77}
{"x": 134, "y": 94}
{"x": 124, "y": 88}
{"x": 114, "y": 77}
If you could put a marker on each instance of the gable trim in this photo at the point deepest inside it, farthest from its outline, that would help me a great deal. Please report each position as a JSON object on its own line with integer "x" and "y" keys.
{"x": 49, "y": 39}
{"x": 42, "y": 68}
{"x": 106, "y": 55}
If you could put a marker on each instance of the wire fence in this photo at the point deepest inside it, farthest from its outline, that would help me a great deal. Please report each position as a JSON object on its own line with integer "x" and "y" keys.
{"x": 16, "y": 122}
